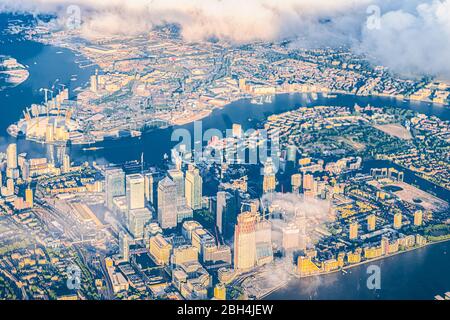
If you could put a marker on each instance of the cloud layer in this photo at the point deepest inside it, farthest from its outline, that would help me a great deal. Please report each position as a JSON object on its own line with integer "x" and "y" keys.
{"x": 410, "y": 36}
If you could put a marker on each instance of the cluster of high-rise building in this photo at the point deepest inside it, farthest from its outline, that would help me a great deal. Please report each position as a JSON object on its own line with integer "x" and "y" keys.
{"x": 199, "y": 244}
{"x": 15, "y": 187}
{"x": 141, "y": 198}
{"x": 252, "y": 242}
{"x": 20, "y": 174}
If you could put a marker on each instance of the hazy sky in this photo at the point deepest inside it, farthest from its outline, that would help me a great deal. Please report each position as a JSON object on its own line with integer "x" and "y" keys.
{"x": 410, "y": 36}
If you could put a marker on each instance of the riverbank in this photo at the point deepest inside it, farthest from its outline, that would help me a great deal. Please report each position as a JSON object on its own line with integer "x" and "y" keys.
{"x": 350, "y": 266}
{"x": 200, "y": 108}
{"x": 47, "y": 67}
{"x": 335, "y": 284}
{"x": 15, "y": 77}
{"x": 307, "y": 97}
{"x": 240, "y": 111}
{"x": 393, "y": 130}
{"x": 296, "y": 276}
{"x": 13, "y": 72}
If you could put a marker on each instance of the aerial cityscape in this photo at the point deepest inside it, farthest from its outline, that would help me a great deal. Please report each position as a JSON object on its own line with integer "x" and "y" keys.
{"x": 180, "y": 150}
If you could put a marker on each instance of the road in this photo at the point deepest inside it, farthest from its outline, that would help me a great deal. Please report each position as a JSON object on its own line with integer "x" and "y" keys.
{"x": 109, "y": 293}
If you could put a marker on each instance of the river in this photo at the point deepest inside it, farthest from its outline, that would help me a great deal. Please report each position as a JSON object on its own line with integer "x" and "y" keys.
{"x": 48, "y": 67}
{"x": 242, "y": 112}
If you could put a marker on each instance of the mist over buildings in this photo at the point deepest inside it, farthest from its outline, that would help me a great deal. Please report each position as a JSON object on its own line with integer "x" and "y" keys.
{"x": 411, "y": 37}
{"x": 295, "y": 210}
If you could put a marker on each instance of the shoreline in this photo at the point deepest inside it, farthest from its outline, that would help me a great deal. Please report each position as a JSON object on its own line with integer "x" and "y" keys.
{"x": 19, "y": 76}
{"x": 298, "y": 277}
{"x": 15, "y": 72}
{"x": 199, "y": 116}
{"x": 207, "y": 112}
{"x": 204, "y": 113}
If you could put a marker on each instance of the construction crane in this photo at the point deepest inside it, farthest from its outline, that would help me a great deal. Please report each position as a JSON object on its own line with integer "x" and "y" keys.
{"x": 63, "y": 87}
{"x": 45, "y": 92}
{"x": 59, "y": 102}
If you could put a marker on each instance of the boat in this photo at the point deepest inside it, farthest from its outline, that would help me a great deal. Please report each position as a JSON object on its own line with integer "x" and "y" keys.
{"x": 92, "y": 148}
{"x": 268, "y": 99}
{"x": 259, "y": 100}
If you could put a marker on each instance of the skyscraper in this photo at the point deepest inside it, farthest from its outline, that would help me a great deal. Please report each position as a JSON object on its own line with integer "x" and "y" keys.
{"x": 10, "y": 186}
{"x": 308, "y": 183}
{"x": 151, "y": 180}
{"x": 371, "y": 222}
{"x": 114, "y": 185}
{"x": 160, "y": 249}
{"x": 149, "y": 183}
{"x": 124, "y": 246}
{"x": 66, "y": 163}
{"x": 291, "y": 153}
{"x": 11, "y": 156}
{"x": 245, "y": 241}
{"x": 193, "y": 188}
{"x": 237, "y": 130}
{"x": 177, "y": 176}
{"x": 397, "y": 220}
{"x": 263, "y": 239}
{"x": 353, "y": 234}
{"x": 135, "y": 191}
{"x": 167, "y": 203}
{"x": 137, "y": 220}
{"x": 418, "y": 218}
{"x": 11, "y": 161}
{"x": 29, "y": 197}
{"x": 21, "y": 159}
{"x": 94, "y": 82}
{"x": 269, "y": 181}
{"x": 296, "y": 182}
{"x": 290, "y": 237}
{"x": 221, "y": 207}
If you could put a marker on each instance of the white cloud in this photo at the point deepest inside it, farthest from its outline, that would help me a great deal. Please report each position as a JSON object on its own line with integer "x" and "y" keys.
{"x": 414, "y": 42}
{"x": 414, "y": 35}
